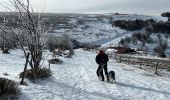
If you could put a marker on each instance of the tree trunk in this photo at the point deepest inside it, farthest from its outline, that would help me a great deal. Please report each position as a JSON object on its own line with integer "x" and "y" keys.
{"x": 25, "y": 68}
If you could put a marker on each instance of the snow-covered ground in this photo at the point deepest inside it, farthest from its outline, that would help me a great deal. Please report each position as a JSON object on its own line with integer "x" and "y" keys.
{"x": 89, "y": 28}
{"x": 76, "y": 79}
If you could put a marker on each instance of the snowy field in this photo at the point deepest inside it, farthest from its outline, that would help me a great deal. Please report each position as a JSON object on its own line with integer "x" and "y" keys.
{"x": 76, "y": 79}
{"x": 89, "y": 28}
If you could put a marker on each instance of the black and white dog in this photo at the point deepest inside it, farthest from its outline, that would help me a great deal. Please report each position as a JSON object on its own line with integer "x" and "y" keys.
{"x": 111, "y": 76}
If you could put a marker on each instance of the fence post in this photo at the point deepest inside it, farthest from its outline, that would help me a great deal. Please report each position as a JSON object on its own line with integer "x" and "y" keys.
{"x": 49, "y": 65}
{"x": 140, "y": 63}
{"x": 128, "y": 59}
{"x": 157, "y": 65}
{"x": 120, "y": 58}
{"x": 115, "y": 55}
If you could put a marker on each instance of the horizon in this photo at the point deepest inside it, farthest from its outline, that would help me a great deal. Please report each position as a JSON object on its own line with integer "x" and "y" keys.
{"x": 89, "y": 13}
{"x": 139, "y": 7}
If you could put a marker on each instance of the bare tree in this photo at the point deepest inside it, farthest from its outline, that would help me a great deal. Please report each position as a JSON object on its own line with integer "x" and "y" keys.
{"x": 28, "y": 24}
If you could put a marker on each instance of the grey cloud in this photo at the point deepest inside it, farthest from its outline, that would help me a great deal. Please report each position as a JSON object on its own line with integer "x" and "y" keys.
{"x": 84, "y": 6}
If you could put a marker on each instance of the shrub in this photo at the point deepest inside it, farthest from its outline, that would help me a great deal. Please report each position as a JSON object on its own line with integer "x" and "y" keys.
{"x": 67, "y": 43}
{"x": 160, "y": 27}
{"x": 131, "y": 25}
{"x": 55, "y": 61}
{"x": 164, "y": 45}
{"x": 162, "y": 54}
{"x": 8, "y": 89}
{"x": 63, "y": 42}
{"x": 143, "y": 37}
{"x": 6, "y": 51}
{"x": 144, "y": 48}
{"x": 51, "y": 42}
{"x": 166, "y": 14}
{"x": 159, "y": 49}
{"x": 146, "y": 36}
{"x": 33, "y": 74}
{"x": 137, "y": 36}
{"x": 127, "y": 39}
{"x": 121, "y": 42}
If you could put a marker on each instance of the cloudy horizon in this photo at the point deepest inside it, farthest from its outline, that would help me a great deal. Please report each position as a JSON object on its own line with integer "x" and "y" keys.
{"x": 150, "y": 7}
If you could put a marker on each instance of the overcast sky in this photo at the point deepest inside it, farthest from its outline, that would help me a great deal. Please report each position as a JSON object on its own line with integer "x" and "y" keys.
{"x": 149, "y": 7}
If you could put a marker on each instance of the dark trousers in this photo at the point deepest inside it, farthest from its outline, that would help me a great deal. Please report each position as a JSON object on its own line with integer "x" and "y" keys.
{"x": 100, "y": 71}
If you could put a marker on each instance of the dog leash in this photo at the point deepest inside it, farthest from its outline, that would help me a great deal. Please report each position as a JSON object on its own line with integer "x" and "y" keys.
{"x": 102, "y": 67}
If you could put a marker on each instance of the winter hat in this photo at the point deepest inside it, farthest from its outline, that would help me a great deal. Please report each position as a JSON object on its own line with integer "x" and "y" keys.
{"x": 101, "y": 51}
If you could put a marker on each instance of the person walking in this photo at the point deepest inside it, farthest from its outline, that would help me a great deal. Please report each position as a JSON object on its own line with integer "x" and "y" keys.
{"x": 101, "y": 60}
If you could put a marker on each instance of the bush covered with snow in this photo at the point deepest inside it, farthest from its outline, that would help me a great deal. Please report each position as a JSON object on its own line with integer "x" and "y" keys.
{"x": 60, "y": 42}
{"x": 8, "y": 89}
{"x": 40, "y": 73}
{"x": 132, "y": 25}
{"x": 55, "y": 61}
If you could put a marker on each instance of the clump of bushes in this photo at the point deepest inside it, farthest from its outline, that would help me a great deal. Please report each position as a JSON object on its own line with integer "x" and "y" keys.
{"x": 160, "y": 27}
{"x": 55, "y": 61}
{"x": 125, "y": 41}
{"x": 8, "y": 89}
{"x": 166, "y": 14}
{"x": 142, "y": 37}
{"x": 160, "y": 48}
{"x": 132, "y": 25}
{"x": 150, "y": 25}
{"x": 60, "y": 42}
{"x": 39, "y": 73}
{"x": 5, "y": 51}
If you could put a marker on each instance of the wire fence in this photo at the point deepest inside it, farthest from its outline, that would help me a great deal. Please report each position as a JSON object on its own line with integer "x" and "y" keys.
{"x": 155, "y": 62}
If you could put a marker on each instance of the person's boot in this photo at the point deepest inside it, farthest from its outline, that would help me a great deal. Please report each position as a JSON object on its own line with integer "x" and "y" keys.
{"x": 101, "y": 78}
{"x": 107, "y": 77}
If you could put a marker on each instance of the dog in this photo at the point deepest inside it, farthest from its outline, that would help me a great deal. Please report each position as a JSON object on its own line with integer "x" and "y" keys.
{"x": 111, "y": 76}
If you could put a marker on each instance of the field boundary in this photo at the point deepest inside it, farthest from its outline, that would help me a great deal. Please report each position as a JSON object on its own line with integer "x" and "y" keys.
{"x": 142, "y": 61}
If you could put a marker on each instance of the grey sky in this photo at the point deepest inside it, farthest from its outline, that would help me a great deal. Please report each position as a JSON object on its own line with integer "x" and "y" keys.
{"x": 150, "y": 7}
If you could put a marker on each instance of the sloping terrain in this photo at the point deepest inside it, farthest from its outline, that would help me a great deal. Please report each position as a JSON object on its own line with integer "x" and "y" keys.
{"x": 76, "y": 79}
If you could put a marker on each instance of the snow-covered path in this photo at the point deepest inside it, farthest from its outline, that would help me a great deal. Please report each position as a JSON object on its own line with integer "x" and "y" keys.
{"x": 76, "y": 79}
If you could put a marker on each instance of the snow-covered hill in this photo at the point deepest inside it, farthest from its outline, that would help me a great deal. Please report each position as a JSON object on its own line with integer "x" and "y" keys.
{"x": 76, "y": 79}
{"x": 88, "y": 28}
{"x": 98, "y": 29}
